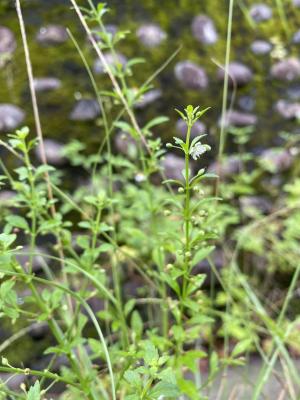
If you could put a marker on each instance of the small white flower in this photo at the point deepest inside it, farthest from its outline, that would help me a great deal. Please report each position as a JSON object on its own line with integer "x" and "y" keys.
{"x": 198, "y": 149}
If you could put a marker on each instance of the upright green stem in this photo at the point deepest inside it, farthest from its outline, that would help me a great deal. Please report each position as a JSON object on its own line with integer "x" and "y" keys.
{"x": 187, "y": 212}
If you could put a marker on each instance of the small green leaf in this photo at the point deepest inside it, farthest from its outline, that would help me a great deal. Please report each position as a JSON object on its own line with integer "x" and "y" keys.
{"x": 17, "y": 222}
{"x": 129, "y": 306}
{"x": 165, "y": 389}
{"x": 156, "y": 121}
{"x": 241, "y": 347}
{"x": 34, "y": 392}
{"x": 201, "y": 255}
{"x": 151, "y": 353}
{"x": 136, "y": 324}
{"x": 132, "y": 377}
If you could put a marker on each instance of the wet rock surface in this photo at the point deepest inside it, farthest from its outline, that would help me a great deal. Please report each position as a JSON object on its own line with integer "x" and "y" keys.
{"x": 85, "y": 110}
{"x": 13, "y": 381}
{"x": 7, "y": 41}
{"x": 151, "y": 35}
{"x": 6, "y": 196}
{"x": 11, "y": 117}
{"x": 251, "y": 204}
{"x": 246, "y": 103}
{"x": 52, "y": 35}
{"x": 38, "y": 260}
{"x": 197, "y": 129}
{"x": 276, "y": 160}
{"x": 172, "y": 166}
{"x": 296, "y": 37}
{"x": 39, "y": 331}
{"x": 125, "y": 144}
{"x": 261, "y": 47}
{"x": 148, "y": 98}
{"x": 286, "y": 70}
{"x": 237, "y": 118}
{"x": 293, "y": 93}
{"x": 260, "y": 12}
{"x": 239, "y": 74}
{"x": 190, "y": 75}
{"x": 46, "y": 84}
{"x": 203, "y": 29}
{"x": 287, "y": 109}
{"x": 53, "y": 151}
{"x": 110, "y": 29}
{"x": 112, "y": 60}
{"x": 230, "y": 166}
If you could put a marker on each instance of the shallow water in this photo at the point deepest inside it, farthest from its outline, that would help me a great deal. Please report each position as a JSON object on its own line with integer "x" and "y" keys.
{"x": 175, "y": 18}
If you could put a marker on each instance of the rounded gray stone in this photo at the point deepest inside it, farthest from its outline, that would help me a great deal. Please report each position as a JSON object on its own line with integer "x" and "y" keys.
{"x": 52, "y": 34}
{"x": 11, "y": 117}
{"x": 197, "y": 129}
{"x": 7, "y": 41}
{"x": 85, "y": 110}
{"x": 203, "y": 29}
{"x": 286, "y": 70}
{"x": 46, "y": 84}
{"x": 238, "y": 72}
{"x": 237, "y": 118}
{"x": 261, "y": 47}
{"x": 261, "y": 12}
{"x": 172, "y": 166}
{"x": 151, "y": 35}
{"x": 148, "y": 98}
{"x": 190, "y": 75}
{"x": 276, "y": 159}
{"x": 53, "y": 150}
{"x": 111, "y": 59}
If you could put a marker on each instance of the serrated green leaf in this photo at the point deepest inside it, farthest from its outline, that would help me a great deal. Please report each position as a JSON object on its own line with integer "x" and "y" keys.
{"x": 201, "y": 254}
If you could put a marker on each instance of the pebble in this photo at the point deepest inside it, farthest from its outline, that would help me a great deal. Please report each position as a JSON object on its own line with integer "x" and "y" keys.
{"x": 286, "y": 70}
{"x": 261, "y": 47}
{"x": 237, "y": 118}
{"x": 172, "y": 166}
{"x": 296, "y": 37}
{"x": 38, "y": 260}
{"x": 204, "y": 30}
{"x": 147, "y": 98}
{"x": 276, "y": 160}
{"x": 7, "y": 41}
{"x": 190, "y": 75}
{"x": 261, "y": 12}
{"x": 246, "y": 103}
{"x": 52, "y": 34}
{"x": 46, "y": 84}
{"x": 197, "y": 129}
{"x": 287, "y": 109}
{"x": 230, "y": 166}
{"x": 54, "y": 152}
{"x": 85, "y": 110}
{"x": 111, "y": 59}
{"x": 125, "y": 145}
{"x": 151, "y": 35}
{"x": 11, "y": 117}
{"x": 238, "y": 73}
{"x": 251, "y": 204}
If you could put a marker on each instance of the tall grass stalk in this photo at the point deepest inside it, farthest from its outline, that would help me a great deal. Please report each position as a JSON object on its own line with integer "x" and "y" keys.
{"x": 283, "y": 18}
{"x": 39, "y": 133}
{"x": 222, "y": 141}
{"x": 109, "y": 72}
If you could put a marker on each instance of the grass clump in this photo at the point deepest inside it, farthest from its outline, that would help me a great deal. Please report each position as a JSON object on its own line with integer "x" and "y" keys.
{"x": 168, "y": 321}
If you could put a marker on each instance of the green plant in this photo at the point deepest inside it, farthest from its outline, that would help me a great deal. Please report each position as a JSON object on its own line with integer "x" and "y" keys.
{"x": 140, "y": 249}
